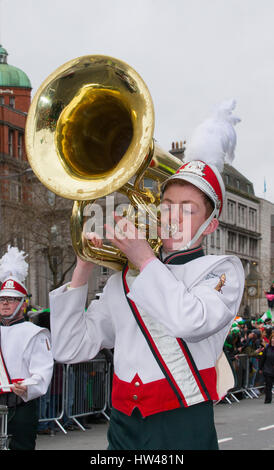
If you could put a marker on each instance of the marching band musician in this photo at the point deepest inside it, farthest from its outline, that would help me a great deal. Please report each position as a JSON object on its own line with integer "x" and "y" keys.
{"x": 26, "y": 361}
{"x": 167, "y": 320}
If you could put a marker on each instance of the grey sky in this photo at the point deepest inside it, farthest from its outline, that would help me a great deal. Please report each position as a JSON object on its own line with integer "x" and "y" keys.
{"x": 191, "y": 53}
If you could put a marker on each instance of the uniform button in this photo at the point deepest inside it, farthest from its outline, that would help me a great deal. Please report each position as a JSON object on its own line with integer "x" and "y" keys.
{"x": 135, "y": 397}
{"x": 137, "y": 384}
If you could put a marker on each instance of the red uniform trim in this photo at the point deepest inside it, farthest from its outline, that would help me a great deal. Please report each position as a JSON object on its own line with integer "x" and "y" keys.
{"x": 13, "y": 381}
{"x": 153, "y": 397}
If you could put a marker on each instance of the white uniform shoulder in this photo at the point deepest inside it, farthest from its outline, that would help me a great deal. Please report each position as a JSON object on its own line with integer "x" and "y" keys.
{"x": 224, "y": 260}
{"x": 209, "y": 269}
{"x": 228, "y": 268}
{"x": 31, "y": 329}
{"x": 217, "y": 260}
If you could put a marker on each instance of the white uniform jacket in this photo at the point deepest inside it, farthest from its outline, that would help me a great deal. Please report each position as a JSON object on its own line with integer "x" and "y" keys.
{"x": 182, "y": 299}
{"x": 26, "y": 350}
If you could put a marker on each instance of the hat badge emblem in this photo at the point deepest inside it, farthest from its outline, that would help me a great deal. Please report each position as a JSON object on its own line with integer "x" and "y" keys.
{"x": 196, "y": 167}
{"x": 9, "y": 284}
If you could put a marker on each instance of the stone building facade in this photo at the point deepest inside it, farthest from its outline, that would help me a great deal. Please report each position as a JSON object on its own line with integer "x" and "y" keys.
{"x": 266, "y": 246}
{"x": 15, "y": 97}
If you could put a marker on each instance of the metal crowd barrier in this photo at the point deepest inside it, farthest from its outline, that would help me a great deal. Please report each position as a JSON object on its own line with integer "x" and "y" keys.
{"x": 76, "y": 390}
{"x": 51, "y": 406}
{"x": 4, "y": 438}
{"x": 83, "y": 389}
{"x": 87, "y": 389}
{"x": 243, "y": 380}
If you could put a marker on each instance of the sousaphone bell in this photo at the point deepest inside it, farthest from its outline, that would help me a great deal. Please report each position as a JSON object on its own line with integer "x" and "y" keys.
{"x": 89, "y": 133}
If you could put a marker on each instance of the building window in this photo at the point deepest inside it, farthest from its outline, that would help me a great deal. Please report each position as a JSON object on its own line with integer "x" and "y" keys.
{"x": 15, "y": 191}
{"x": 54, "y": 235}
{"x": 104, "y": 270}
{"x": 253, "y": 247}
{"x": 55, "y": 266}
{"x": 51, "y": 198}
{"x": 12, "y": 102}
{"x": 242, "y": 244}
{"x": 18, "y": 240}
{"x": 231, "y": 211}
{"x": 242, "y": 215}
{"x": 227, "y": 179}
{"x": 231, "y": 241}
{"x": 20, "y": 146}
{"x": 149, "y": 183}
{"x": 252, "y": 219}
{"x": 11, "y": 140}
{"x": 2, "y": 100}
{"x": 212, "y": 240}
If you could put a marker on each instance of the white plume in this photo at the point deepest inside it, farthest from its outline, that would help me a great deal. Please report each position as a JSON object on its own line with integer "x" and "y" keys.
{"x": 214, "y": 140}
{"x": 13, "y": 263}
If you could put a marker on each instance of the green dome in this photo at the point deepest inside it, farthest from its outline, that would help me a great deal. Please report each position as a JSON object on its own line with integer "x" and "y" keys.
{"x": 11, "y": 76}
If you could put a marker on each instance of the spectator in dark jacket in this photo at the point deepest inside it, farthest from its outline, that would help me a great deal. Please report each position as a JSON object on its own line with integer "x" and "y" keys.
{"x": 267, "y": 368}
{"x": 252, "y": 347}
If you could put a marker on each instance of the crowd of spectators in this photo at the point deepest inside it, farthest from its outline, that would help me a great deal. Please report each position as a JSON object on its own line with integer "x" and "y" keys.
{"x": 250, "y": 339}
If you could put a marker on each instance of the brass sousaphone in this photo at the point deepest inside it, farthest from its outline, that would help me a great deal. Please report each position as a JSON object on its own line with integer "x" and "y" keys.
{"x": 89, "y": 133}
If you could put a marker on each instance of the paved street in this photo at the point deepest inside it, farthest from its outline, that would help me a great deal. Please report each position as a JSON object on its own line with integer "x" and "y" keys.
{"x": 91, "y": 439}
{"x": 246, "y": 425}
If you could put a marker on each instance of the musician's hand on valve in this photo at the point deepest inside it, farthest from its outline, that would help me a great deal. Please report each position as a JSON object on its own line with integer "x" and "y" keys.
{"x": 84, "y": 268}
{"x": 130, "y": 241}
{"x": 95, "y": 239}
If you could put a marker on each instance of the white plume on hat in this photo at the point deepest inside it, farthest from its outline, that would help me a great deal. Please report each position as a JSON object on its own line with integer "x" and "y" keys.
{"x": 214, "y": 141}
{"x": 13, "y": 264}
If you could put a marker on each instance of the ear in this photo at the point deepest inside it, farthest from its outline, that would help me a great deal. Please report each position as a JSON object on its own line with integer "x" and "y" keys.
{"x": 212, "y": 226}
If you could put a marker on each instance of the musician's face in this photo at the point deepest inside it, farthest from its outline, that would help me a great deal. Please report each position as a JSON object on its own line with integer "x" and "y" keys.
{"x": 183, "y": 210}
{"x": 8, "y": 306}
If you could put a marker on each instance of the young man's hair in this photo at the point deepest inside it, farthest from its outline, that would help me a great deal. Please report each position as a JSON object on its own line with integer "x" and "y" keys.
{"x": 208, "y": 202}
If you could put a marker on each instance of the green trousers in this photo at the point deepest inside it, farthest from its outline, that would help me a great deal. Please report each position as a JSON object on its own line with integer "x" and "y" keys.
{"x": 189, "y": 428}
{"x": 22, "y": 426}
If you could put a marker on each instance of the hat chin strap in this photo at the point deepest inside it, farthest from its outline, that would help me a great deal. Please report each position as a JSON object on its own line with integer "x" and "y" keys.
{"x": 11, "y": 317}
{"x": 202, "y": 228}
